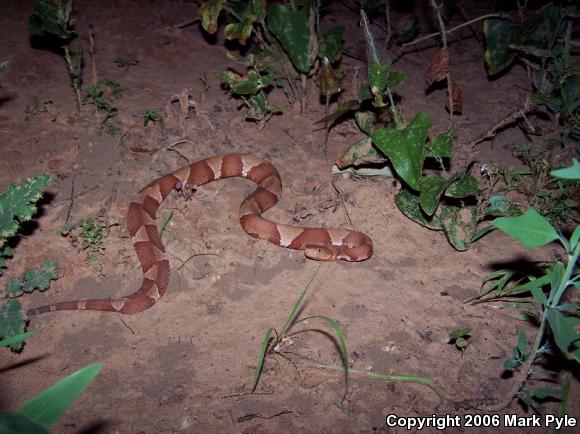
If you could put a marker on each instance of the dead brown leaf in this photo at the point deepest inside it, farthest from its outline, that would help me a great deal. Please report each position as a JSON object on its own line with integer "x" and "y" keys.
{"x": 439, "y": 67}
{"x": 456, "y": 98}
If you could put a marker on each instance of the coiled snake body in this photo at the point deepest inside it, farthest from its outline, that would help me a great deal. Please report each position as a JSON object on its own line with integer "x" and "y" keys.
{"x": 318, "y": 243}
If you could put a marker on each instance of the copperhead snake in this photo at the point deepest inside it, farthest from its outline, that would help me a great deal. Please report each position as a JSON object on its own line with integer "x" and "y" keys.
{"x": 317, "y": 243}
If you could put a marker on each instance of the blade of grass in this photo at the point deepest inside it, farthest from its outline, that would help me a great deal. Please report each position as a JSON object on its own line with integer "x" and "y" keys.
{"x": 166, "y": 217}
{"x": 261, "y": 357}
{"x": 294, "y": 312}
{"x": 425, "y": 381}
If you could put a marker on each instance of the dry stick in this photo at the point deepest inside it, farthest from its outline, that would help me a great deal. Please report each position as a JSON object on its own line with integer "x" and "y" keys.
{"x": 466, "y": 18}
{"x": 512, "y": 117}
{"x": 432, "y": 35}
{"x": 444, "y": 43}
{"x": 72, "y": 198}
{"x": 343, "y": 202}
{"x": 92, "y": 53}
{"x": 326, "y": 127}
{"x": 388, "y": 20}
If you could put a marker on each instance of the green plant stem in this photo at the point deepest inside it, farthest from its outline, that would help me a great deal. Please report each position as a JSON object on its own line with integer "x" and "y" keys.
{"x": 73, "y": 77}
{"x": 396, "y": 116}
{"x": 555, "y": 297}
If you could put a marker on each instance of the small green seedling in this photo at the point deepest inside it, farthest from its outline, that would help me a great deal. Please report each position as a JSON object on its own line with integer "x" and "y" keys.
{"x": 101, "y": 95}
{"x": 459, "y": 337}
{"x": 122, "y": 62}
{"x": 150, "y": 115}
{"x": 89, "y": 235}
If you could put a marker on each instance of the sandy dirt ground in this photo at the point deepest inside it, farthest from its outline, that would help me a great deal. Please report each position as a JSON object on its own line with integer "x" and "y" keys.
{"x": 187, "y": 364}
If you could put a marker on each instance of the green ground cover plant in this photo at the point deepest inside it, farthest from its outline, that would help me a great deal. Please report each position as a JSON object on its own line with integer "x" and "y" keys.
{"x": 18, "y": 205}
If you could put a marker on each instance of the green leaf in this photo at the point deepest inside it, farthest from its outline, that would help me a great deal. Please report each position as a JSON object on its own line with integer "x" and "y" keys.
{"x": 331, "y": 44}
{"x": 362, "y": 152}
{"x": 499, "y": 35}
{"x": 366, "y": 120}
{"x": 395, "y": 79}
{"x": 511, "y": 364}
{"x": 33, "y": 280}
{"x": 249, "y": 85}
{"x": 379, "y": 76}
{"x": 14, "y": 423}
{"x": 341, "y": 110}
{"x": 329, "y": 82}
{"x": 46, "y": 408}
{"x": 522, "y": 342}
{"x": 432, "y": 187}
{"x": 480, "y": 233}
{"x": 13, "y": 340}
{"x": 529, "y": 311}
{"x": 503, "y": 37}
{"x": 17, "y": 339}
{"x": 441, "y": 146}
{"x": 40, "y": 279}
{"x": 465, "y": 186}
{"x": 530, "y": 229}
{"x": 259, "y": 108}
{"x": 539, "y": 295}
{"x": 261, "y": 358}
{"x": 526, "y": 287}
{"x": 572, "y": 172}
{"x": 564, "y": 335}
{"x": 13, "y": 287}
{"x": 295, "y": 31}
{"x": 547, "y": 392}
{"x": 252, "y": 13}
{"x": 557, "y": 273}
{"x": 18, "y": 204}
{"x": 407, "y": 29}
{"x": 210, "y": 12}
{"x": 496, "y": 281}
{"x": 575, "y": 238}
{"x": 459, "y": 224}
{"x": 405, "y": 148}
{"x": 12, "y": 322}
{"x": 409, "y": 205}
{"x": 50, "y": 20}
{"x": 460, "y": 333}
{"x": 499, "y": 206}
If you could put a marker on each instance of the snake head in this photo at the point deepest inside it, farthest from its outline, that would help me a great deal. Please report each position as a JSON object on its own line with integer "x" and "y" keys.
{"x": 351, "y": 253}
{"x": 322, "y": 253}
{"x": 185, "y": 189}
